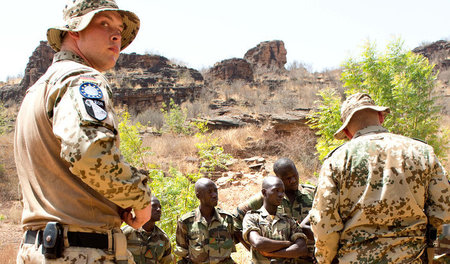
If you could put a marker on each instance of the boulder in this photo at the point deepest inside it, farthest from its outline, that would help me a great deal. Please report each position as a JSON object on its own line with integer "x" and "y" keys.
{"x": 231, "y": 70}
{"x": 267, "y": 55}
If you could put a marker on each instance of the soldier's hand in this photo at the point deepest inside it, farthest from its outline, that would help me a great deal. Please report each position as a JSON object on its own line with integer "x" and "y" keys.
{"x": 140, "y": 217}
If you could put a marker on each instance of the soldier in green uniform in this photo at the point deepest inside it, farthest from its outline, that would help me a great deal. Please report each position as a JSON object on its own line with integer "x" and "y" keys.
{"x": 205, "y": 235}
{"x": 274, "y": 237}
{"x": 149, "y": 244}
{"x": 296, "y": 202}
{"x": 378, "y": 193}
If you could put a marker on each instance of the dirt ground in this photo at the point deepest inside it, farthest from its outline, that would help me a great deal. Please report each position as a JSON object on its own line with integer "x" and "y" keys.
{"x": 10, "y": 231}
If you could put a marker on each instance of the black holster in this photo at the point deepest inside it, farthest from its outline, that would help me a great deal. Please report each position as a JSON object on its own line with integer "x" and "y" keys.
{"x": 53, "y": 240}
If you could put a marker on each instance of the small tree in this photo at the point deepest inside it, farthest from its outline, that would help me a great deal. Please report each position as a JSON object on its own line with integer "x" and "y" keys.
{"x": 177, "y": 196}
{"x": 131, "y": 142}
{"x": 400, "y": 79}
{"x": 175, "y": 118}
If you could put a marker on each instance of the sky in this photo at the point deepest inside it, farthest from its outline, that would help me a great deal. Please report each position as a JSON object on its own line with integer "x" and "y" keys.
{"x": 319, "y": 33}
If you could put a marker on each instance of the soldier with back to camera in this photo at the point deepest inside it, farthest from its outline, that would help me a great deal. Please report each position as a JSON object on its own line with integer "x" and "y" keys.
{"x": 378, "y": 194}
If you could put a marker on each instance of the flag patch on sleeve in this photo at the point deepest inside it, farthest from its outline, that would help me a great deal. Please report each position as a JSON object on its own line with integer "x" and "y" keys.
{"x": 95, "y": 108}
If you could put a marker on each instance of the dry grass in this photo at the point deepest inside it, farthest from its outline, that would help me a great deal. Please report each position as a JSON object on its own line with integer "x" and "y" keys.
{"x": 9, "y": 182}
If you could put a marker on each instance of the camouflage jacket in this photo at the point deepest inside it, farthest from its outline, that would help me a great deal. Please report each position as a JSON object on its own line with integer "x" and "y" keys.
{"x": 198, "y": 242}
{"x": 375, "y": 196}
{"x": 281, "y": 227}
{"x": 298, "y": 210}
{"x": 149, "y": 247}
{"x": 67, "y": 145}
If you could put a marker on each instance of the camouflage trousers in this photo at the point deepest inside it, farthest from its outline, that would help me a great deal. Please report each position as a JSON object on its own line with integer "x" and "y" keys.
{"x": 31, "y": 254}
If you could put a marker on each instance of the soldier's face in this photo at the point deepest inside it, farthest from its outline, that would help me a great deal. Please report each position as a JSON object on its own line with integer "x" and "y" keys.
{"x": 275, "y": 193}
{"x": 208, "y": 195}
{"x": 289, "y": 177}
{"x": 100, "y": 41}
{"x": 156, "y": 210}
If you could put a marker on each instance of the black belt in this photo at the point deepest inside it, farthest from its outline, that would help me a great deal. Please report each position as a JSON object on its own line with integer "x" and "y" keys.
{"x": 76, "y": 239}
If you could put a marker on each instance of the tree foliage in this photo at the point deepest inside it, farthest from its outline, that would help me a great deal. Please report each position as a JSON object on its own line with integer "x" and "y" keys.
{"x": 177, "y": 196}
{"x": 400, "y": 79}
{"x": 131, "y": 141}
{"x": 211, "y": 154}
{"x": 175, "y": 119}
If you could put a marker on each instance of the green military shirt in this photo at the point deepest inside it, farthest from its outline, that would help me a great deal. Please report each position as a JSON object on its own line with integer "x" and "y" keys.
{"x": 281, "y": 227}
{"x": 298, "y": 210}
{"x": 149, "y": 247}
{"x": 198, "y": 242}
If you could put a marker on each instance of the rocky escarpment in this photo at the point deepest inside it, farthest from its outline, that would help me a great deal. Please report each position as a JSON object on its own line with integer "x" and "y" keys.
{"x": 438, "y": 53}
{"x": 266, "y": 57}
{"x": 138, "y": 81}
{"x": 231, "y": 70}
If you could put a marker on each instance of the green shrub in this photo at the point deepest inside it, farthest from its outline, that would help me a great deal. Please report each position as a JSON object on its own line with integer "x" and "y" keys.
{"x": 402, "y": 80}
{"x": 211, "y": 154}
{"x": 131, "y": 142}
{"x": 177, "y": 196}
{"x": 175, "y": 119}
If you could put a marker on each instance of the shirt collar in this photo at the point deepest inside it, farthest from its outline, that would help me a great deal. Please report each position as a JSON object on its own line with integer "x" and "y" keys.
{"x": 68, "y": 55}
{"x": 200, "y": 218}
{"x": 370, "y": 129}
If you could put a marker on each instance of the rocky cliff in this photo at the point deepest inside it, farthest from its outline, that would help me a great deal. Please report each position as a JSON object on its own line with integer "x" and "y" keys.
{"x": 139, "y": 81}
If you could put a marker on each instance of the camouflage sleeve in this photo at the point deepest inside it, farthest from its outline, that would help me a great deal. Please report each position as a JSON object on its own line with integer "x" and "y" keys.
{"x": 84, "y": 122}
{"x": 167, "y": 257}
{"x": 438, "y": 202}
{"x": 182, "y": 247}
{"x": 296, "y": 231}
{"x": 253, "y": 203}
{"x": 249, "y": 224}
{"x": 326, "y": 222}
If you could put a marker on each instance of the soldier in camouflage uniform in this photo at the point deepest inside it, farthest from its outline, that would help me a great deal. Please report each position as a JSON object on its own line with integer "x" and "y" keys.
{"x": 377, "y": 192}
{"x": 67, "y": 145}
{"x": 149, "y": 244}
{"x": 296, "y": 203}
{"x": 274, "y": 237}
{"x": 205, "y": 235}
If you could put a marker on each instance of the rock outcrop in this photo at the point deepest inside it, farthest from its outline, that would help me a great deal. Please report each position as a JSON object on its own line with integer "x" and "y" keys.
{"x": 437, "y": 53}
{"x": 139, "y": 81}
{"x": 231, "y": 70}
{"x": 37, "y": 65}
{"x": 267, "y": 55}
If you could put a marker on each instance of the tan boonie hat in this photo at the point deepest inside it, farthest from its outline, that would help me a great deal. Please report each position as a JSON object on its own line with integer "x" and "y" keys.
{"x": 353, "y": 104}
{"x": 77, "y": 15}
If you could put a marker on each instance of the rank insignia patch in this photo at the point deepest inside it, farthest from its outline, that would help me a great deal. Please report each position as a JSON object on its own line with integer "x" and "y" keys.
{"x": 90, "y": 90}
{"x": 95, "y": 108}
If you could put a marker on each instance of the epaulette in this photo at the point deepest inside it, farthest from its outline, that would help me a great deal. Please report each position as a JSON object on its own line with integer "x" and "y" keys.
{"x": 253, "y": 212}
{"x": 220, "y": 211}
{"x": 308, "y": 186}
{"x": 187, "y": 215}
{"x": 331, "y": 152}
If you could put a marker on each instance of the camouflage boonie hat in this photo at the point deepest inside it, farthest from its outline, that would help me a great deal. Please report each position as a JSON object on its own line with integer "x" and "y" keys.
{"x": 77, "y": 15}
{"x": 353, "y": 104}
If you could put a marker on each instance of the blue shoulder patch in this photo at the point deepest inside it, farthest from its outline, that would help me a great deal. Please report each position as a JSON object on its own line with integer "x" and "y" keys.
{"x": 90, "y": 90}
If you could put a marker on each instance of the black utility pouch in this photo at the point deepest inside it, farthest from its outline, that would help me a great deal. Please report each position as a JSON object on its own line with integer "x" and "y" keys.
{"x": 53, "y": 240}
